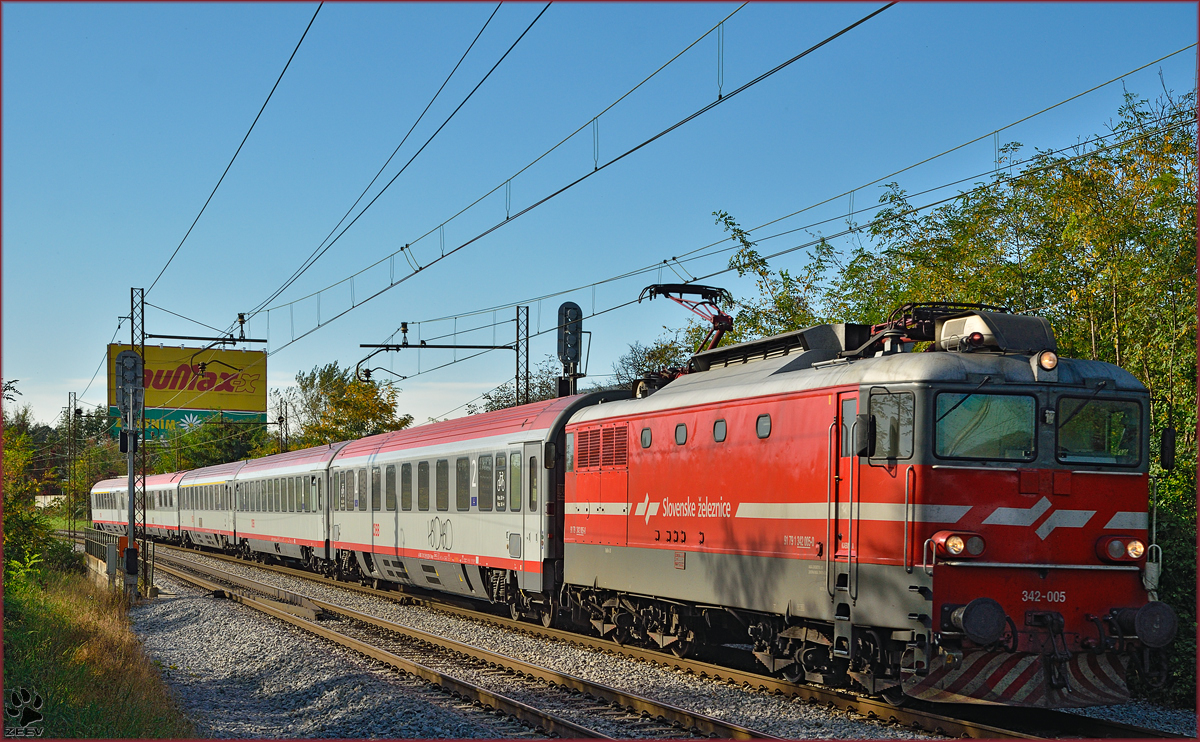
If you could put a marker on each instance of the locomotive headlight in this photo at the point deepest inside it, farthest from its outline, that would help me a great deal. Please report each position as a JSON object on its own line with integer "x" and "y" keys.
{"x": 958, "y": 543}
{"x": 975, "y": 545}
{"x": 1048, "y": 360}
{"x": 1120, "y": 548}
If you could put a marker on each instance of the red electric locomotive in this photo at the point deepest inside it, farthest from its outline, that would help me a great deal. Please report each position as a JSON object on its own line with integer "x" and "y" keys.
{"x": 967, "y": 524}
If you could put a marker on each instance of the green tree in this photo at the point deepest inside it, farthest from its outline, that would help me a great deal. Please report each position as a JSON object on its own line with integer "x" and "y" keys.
{"x": 543, "y": 384}
{"x": 328, "y": 404}
{"x": 215, "y": 441}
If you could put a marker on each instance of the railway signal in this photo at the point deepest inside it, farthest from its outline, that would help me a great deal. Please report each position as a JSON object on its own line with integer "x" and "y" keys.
{"x": 130, "y": 393}
{"x": 570, "y": 328}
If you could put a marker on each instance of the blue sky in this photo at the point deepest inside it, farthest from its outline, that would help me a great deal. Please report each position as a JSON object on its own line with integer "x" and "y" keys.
{"x": 118, "y": 119}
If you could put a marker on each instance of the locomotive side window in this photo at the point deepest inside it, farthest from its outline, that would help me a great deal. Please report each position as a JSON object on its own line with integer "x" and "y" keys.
{"x": 762, "y": 426}
{"x": 423, "y": 485}
{"x": 442, "y": 484}
{"x": 646, "y": 437}
{"x": 1099, "y": 431}
{"x": 501, "y": 483}
{"x": 376, "y": 490}
{"x": 406, "y": 486}
{"x": 389, "y": 488}
{"x": 462, "y": 483}
{"x": 719, "y": 430}
{"x": 985, "y": 426}
{"x": 533, "y": 477}
{"x": 485, "y": 483}
{"x": 570, "y": 452}
{"x": 514, "y": 476}
{"x": 680, "y": 434}
{"x": 849, "y": 411}
{"x": 892, "y": 413}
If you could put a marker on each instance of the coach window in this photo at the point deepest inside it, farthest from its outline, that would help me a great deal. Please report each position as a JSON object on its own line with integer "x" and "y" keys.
{"x": 485, "y": 481}
{"x": 339, "y": 493}
{"x": 389, "y": 488}
{"x": 298, "y": 503}
{"x": 462, "y": 483}
{"x": 442, "y": 484}
{"x": 406, "y": 486}
{"x": 320, "y": 500}
{"x": 514, "y": 476}
{"x": 680, "y": 434}
{"x": 276, "y": 488}
{"x": 423, "y": 485}
{"x": 762, "y": 427}
{"x": 501, "y": 483}
{"x": 376, "y": 490}
{"x": 719, "y": 431}
{"x": 290, "y": 503}
{"x": 360, "y": 494}
{"x": 646, "y": 437}
{"x": 533, "y": 477}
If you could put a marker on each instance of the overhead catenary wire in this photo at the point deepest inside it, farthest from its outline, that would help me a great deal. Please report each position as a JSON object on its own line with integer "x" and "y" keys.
{"x": 868, "y": 225}
{"x": 388, "y": 185}
{"x": 189, "y": 319}
{"x": 507, "y": 184}
{"x": 314, "y": 256}
{"x": 658, "y": 265}
{"x": 587, "y": 175}
{"x": 236, "y": 152}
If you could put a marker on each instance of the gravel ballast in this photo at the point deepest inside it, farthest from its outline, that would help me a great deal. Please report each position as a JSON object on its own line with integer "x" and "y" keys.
{"x": 773, "y": 715}
{"x": 755, "y": 710}
{"x": 238, "y": 673}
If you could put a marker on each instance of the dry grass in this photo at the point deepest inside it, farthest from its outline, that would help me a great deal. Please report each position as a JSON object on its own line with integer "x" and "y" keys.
{"x": 70, "y": 641}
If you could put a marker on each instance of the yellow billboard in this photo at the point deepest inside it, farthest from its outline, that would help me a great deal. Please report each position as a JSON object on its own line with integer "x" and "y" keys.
{"x": 198, "y": 379}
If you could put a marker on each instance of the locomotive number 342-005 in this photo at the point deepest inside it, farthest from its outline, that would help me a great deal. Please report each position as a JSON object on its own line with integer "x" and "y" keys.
{"x": 1049, "y": 596}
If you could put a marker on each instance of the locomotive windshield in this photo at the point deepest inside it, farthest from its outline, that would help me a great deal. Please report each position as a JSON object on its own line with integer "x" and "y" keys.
{"x": 985, "y": 426}
{"x": 1099, "y": 431}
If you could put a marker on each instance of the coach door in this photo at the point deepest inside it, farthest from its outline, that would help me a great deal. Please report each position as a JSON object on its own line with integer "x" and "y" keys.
{"x": 531, "y": 507}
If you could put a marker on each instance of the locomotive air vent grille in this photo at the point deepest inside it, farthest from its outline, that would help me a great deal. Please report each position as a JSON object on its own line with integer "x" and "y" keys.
{"x": 608, "y": 448}
{"x": 589, "y": 448}
{"x": 620, "y": 446}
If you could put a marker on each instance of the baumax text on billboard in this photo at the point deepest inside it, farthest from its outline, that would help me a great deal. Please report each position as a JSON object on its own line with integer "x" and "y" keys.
{"x": 233, "y": 380}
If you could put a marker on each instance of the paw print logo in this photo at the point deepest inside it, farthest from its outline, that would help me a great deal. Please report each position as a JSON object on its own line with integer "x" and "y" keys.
{"x": 22, "y": 714}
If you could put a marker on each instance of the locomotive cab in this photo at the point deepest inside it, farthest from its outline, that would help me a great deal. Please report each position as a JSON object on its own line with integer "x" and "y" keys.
{"x": 1025, "y": 483}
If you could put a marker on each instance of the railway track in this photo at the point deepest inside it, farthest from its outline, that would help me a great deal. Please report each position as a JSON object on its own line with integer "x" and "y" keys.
{"x": 556, "y": 702}
{"x": 959, "y": 720}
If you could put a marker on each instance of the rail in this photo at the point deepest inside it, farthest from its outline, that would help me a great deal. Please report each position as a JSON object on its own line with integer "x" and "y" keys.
{"x": 301, "y": 611}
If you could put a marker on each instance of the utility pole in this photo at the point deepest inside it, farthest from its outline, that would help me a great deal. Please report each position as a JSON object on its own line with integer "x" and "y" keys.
{"x": 137, "y": 339}
{"x": 71, "y": 463}
{"x": 522, "y": 390}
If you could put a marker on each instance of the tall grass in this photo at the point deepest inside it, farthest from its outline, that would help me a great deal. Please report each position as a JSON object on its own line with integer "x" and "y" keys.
{"x": 70, "y": 641}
